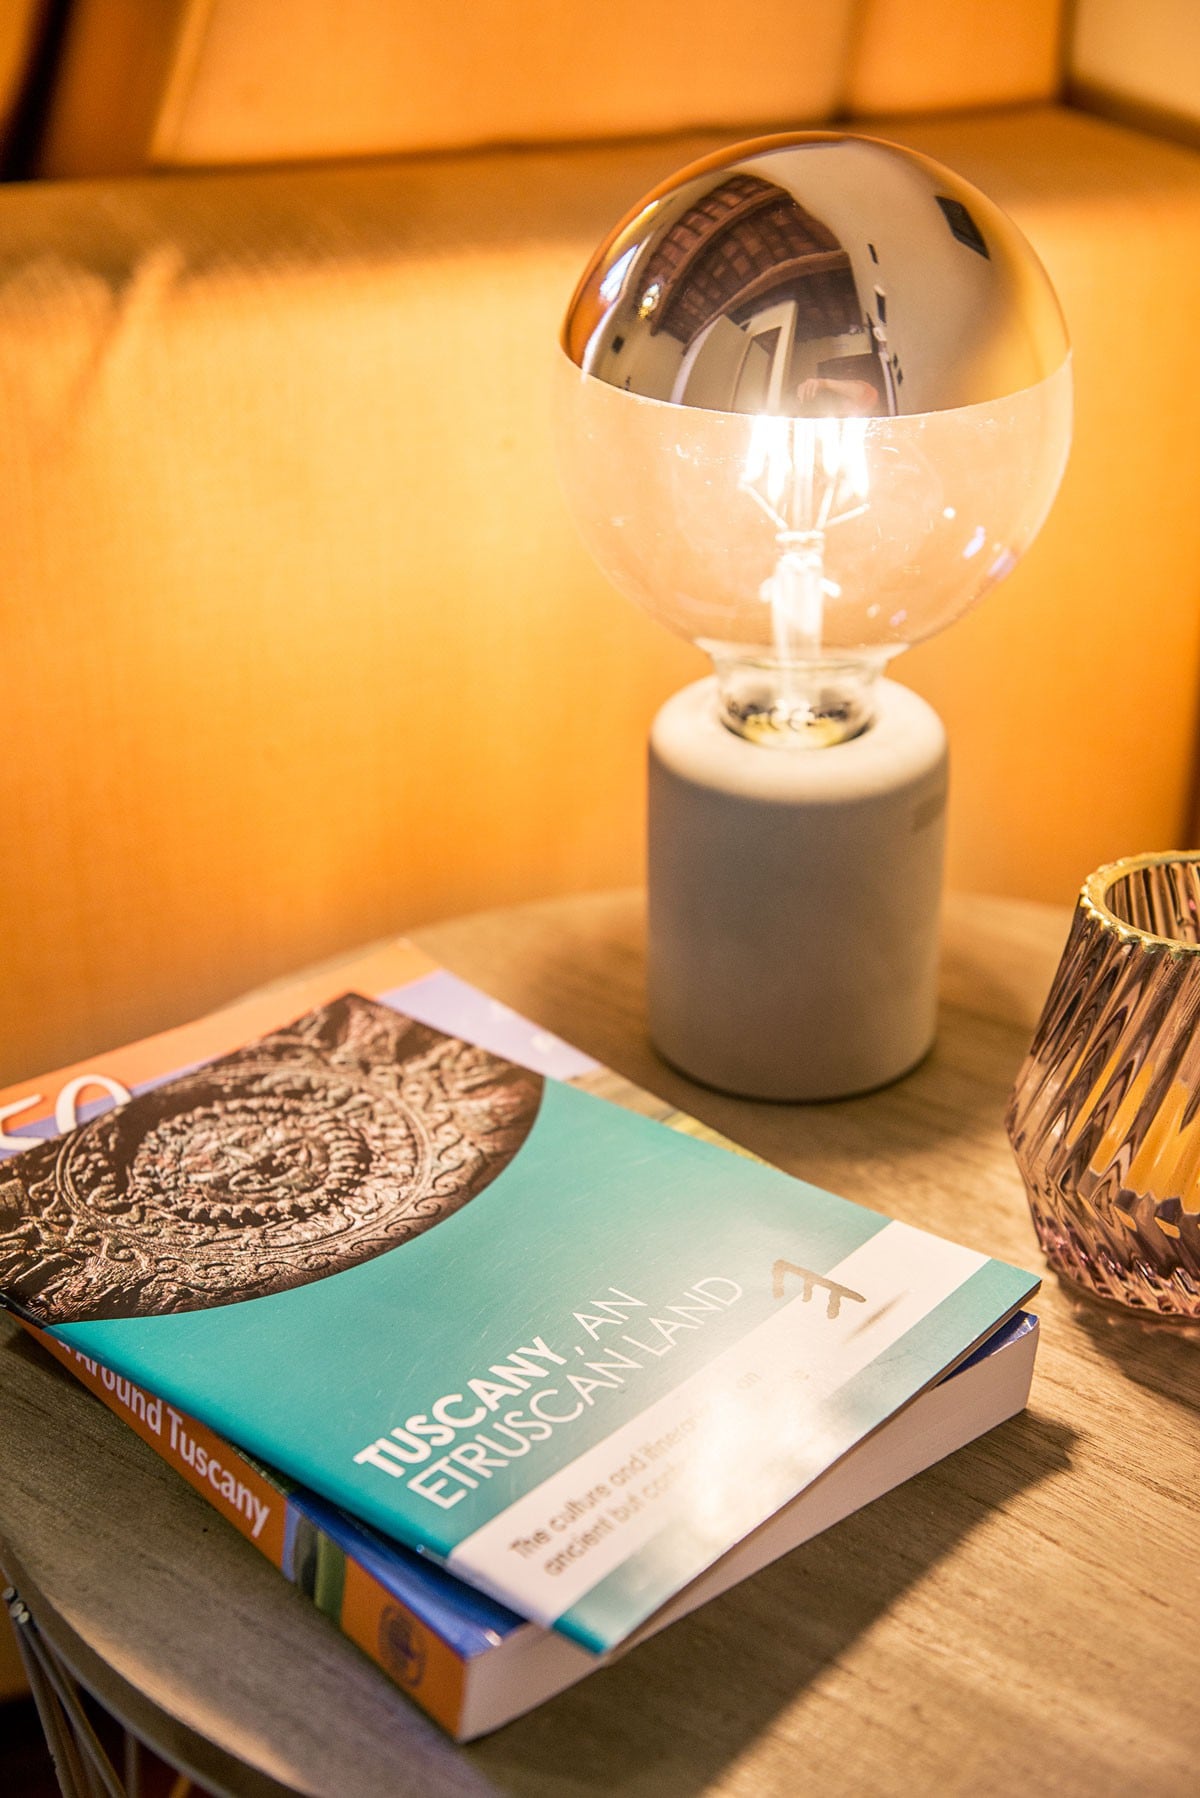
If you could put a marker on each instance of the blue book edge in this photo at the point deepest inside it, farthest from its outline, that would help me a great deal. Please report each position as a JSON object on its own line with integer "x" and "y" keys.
{"x": 469, "y": 1621}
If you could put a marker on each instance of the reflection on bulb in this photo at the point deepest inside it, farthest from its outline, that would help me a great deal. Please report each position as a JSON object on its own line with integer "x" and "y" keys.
{"x": 815, "y": 400}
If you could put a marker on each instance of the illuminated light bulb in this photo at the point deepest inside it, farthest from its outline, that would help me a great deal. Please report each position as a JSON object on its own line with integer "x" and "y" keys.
{"x": 814, "y": 402}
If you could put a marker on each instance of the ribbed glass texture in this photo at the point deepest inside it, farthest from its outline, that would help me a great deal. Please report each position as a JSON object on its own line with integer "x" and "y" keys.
{"x": 1105, "y": 1115}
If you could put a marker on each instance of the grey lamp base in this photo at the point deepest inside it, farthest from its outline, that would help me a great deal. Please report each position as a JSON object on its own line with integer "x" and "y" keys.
{"x": 794, "y": 897}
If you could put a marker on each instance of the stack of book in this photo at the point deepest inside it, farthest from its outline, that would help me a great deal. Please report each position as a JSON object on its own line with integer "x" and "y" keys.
{"x": 503, "y": 1361}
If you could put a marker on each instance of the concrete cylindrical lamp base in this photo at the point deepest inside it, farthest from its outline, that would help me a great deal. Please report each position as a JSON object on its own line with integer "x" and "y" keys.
{"x": 794, "y": 896}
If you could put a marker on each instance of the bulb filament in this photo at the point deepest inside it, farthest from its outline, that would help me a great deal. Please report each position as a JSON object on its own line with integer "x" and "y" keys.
{"x": 808, "y": 475}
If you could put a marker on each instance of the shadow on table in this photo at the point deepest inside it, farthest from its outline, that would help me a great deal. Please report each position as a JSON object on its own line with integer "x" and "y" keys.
{"x": 662, "y": 1722}
{"x": 1163, "y": 1357}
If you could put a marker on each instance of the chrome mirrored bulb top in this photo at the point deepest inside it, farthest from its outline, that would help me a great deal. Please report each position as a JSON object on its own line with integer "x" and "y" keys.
{"x": 815, "y": 400}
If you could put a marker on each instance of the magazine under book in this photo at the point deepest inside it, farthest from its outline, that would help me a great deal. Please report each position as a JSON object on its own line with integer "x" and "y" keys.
{"x": 379, "y": 1232}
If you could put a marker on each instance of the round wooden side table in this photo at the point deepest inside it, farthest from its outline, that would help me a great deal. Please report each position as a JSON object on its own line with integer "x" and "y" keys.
{"x": 1021, "y": 1615}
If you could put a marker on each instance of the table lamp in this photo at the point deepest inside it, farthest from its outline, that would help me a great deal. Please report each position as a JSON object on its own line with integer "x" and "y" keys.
{"x": 814, "y": 400}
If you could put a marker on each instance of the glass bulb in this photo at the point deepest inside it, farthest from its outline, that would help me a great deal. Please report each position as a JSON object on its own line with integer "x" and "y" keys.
{"x": 815, "y": 399}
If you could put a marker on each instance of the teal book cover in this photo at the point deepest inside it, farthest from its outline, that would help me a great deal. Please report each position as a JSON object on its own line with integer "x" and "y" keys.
{"x": 571, "y": 1353}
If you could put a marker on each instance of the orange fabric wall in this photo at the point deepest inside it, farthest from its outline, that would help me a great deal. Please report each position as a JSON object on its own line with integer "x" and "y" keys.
{"x": 301, "y": 646}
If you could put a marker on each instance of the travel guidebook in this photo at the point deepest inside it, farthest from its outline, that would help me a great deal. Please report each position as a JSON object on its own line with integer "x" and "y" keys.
{"x": 384, "y": 1236}
{"x": 471, "y": 1663}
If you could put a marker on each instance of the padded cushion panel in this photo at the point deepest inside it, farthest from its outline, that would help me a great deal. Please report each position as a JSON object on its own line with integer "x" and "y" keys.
{"x": 366, "y": 77}
{"x": 1140, "y": 63}
{"x": 190, "y": 82}
{"x": 301, "y": 646}
{"x": 925, "y": 55}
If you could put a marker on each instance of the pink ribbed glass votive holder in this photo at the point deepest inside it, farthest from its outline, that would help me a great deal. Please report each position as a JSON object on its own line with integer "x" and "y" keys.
{"x": 1105, "y": 1115}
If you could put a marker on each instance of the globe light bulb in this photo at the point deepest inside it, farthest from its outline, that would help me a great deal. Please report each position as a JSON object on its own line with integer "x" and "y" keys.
{"x": 814, "y": 401}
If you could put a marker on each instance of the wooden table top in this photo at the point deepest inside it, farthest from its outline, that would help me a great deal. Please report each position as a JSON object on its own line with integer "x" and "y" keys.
{"x": 1026, "y": 1614}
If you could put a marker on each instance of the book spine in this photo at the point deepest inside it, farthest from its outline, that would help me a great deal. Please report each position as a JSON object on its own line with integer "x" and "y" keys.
{"x": 413, "y": 1656}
